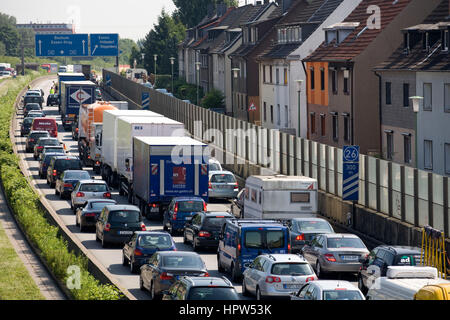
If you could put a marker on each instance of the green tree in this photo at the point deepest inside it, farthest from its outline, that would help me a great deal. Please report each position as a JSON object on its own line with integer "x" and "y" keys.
{"x": 213, "y": 99}
{"x": 126, "y": 46}
{"x": 193, "y": 11}
{"x": 134, "y": 54}
{"x": 9, "y": 34}
{"x": 2, "y": 49}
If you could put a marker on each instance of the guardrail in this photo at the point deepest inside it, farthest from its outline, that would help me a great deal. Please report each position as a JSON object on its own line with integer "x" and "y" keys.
{"x": 411, "y": 195}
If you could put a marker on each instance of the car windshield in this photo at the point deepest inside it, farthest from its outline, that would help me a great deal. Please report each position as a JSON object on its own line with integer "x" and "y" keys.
{"x": 303, "y": 226}
{"x": 183, "y": 261}
{"x": 223, "y": 178}
{"x": 27, "y": 120}
{"x": 254, "y": 239}
{"x": 342, "y": 295}
{"x": 159, "y": 241}
{"x": 336, "y": 243}
{"x": 214, "y": 167}
{"x": 77, "y": 175}
{"x": 129, "y": 216}
{"x": 99, "y": 205}
{"x": 212, "y": 293}
{"x": 49, "y": 142}
{"x": 291, "y": 268}
{"x": 66, "y": 164}
{"x": 214, "y": 223}
{"x": 93, "y": 187}
{"x": 190, "y": 206}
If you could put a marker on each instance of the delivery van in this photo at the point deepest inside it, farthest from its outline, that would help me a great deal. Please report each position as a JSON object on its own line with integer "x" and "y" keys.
{"x": 45, "y": 124}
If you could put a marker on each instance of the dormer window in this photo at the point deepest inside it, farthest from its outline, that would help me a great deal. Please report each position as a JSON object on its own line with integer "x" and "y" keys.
{"x": 445, "y": 40}
{"x": 406, "y": 42}
{"x": 289, "y": 35}
{"x": 425, "y": 41}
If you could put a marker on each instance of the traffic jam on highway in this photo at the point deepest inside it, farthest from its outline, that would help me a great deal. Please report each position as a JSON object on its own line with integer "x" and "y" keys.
{"x": 164, "y": 218}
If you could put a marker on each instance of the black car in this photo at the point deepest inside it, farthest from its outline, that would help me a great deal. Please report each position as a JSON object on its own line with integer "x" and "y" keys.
{"x": 303, "y": 230}
{"x": 87, "y": 216}
{"x": 44, "y": 141}
{"x": 199, "y": 288}
{"x": 117, "y": 223}
{"x": 44, "y": 162}
{"x": 33, "y": 99}
{"x": 237, "y": 206}
{"x": 52, "y": 100}
{"x": 166, "y": 267}
{"x": 204, "y": 229}
{"x": 60, "y": 164}
{"x": 379, "y": 259}
{"x": 25, "y": 127}
{"x": 33, "y": 137}
{"x": 29, "y": 107}
{"x": 67, "y": 180}
{"x": 142, "y": 245}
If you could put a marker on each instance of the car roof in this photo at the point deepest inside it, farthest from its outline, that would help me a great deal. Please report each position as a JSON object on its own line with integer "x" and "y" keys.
{"x": 156, "y": 232}
{"x": 333, "y": 284}
{"x": 217, "y": 213}
{"x": 402, "y": 249}
{"x": 115, "y": 207}
{"x": 61, "y": 147}
{"x": 188, "y": 199}
{"x": 288, "y": 257}
{"x": 102, "y": 200}
{"x": 179, "y": 253}
{"x": 67, "y": 157}
{"x": 340, "y": 235}
{"x": 221, "y": 172}
{"x": 48, "y": 138}
{"x": 39, "y": 131}
{"x": 92, "y": 181}
{"x": 207, "y": 281}
{"x": 309, "y": 219}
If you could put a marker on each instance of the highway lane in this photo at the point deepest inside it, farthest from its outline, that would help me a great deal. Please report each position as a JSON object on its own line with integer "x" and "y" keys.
{"x": 111, "y": 258}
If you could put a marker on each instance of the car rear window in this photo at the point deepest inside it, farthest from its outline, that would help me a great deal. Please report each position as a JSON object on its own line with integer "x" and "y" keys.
{"x": 158, "y": 241}
{"x": 336, "y": 243}
{"x": 223, "y": 178}
{"x": 190, "y": 206}
{"x": 39, "y": 135}
{"x": 214, "y": 222}
{"x": 59, "y": 149}
{"x": 255, "y": 239}
{"x": 291, "y": 268}
{"x": 93, "y": 187}
{"x": 129, "y": 216}
{"x": 214, "y": 167}
{"x": 303, "y": 226}
{"x": 342, "y": 295}
{"x": 49, "y": 142}
{"x": 212, "y": 293}
{"x": 27, "y": 120}
{"x": 77, "y": 175}
{"x": 183, "y": 261}
{"x": 67, "y": 164}
{"x": 99, "y": 205}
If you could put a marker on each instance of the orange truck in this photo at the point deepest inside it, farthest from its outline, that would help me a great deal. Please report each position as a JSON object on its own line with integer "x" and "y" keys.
{"x": 90, "y": 124}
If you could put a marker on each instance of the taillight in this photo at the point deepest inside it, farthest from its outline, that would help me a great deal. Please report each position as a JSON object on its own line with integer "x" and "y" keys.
{"x": 165, "y": 276}
{"x": 143, "y": 228}
{"x": 89, "y": 157}
{"x": 107, "y": 195}
{"x": 236, "y": 186}
{"x": 80, "y": 194}
{"x": 40, "y": 147}
{"x": 209, "y": 185}
{"x": 330, "y": 257}
{"x": 272, "y": 279}
{"x": 90, "y": 214}
{"x": 239, "y": 249}
{"x": 310, "y": 279}
{"x": 289, "y": 248}
{"x": 107, "y": 227}
{"x": 300, "y": 237}
{"x": 153, "y": 205}
{"x": 76, "y": 129}
{"x": 204, "y": 206}
{"x": 204, "y": 234}
{"x": 54, "y": 172}
{"x": 67, "y": 185}
{"x": 137, "y": 252}
{"x": 175, "y": 210}
{"x": 206, "y": 274}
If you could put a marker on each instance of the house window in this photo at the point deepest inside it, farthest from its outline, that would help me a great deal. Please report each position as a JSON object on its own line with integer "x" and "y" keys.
{"x": 334, "y": 81}
{"x": 346, "y": 75}
{"x": 447, "y": 158}
{"x": 312, "y": 120}
{"x": 271, "y": 114}
{"x": 388, "y": 93}
{"x": 407, "y": 148}
{"x": 285, "y": 76}
{"x": 277, "y": 76}
{"x": 389, "y": 145}
{"x": 335, "y": 127}
{"x": 322, "y": 125}
{"x": 447, "y": 97}
{"x": 322, "y": 79}
{"x": 346, "y": 128}
{"x": 286, "y": 116}
{"x": 278, "y": 115}
{"x": 428, "y": 154}
{"x": 265, "y": 112}
{"x": 264, "y": 73}
{"x": 406, "y": 94}
{"x": 270, "y": 71}
{"x": 311, "y": 72}
{"x": 445, "y": 40}
{"x": 427, "y": 96}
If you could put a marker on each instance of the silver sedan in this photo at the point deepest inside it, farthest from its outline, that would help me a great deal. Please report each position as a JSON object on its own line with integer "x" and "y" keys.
{"x": 88, "y": 189}
{"x": 222, "y": 184}
{"x": 335, "y": 252}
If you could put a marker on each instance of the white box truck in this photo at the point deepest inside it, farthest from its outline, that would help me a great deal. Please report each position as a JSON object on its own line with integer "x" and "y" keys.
{"x": 108, "y": 160}
{"x": 129, "y": 127}
{"x": 280, "y": 197}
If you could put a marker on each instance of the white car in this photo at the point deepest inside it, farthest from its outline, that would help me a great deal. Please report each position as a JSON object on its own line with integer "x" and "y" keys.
{"x": 88, "y": 189}
{"x": 214, "y": 165}
{"x": 328, "y": 290}
{"x": 276, "y": 275}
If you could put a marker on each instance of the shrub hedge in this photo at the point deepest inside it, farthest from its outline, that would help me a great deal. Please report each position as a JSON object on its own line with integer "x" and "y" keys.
{"x": 25, "y": 204}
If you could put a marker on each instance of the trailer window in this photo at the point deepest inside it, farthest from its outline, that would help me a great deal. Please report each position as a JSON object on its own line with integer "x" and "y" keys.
{"x": 300, "y": 197}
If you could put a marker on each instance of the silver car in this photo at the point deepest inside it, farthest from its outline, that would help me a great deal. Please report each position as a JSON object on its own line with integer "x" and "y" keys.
{"x": 88, "y": 189}
{"x": 328, "y": 290}
{"x": 276, "y": 275}
{"x": 222, "y": 184}
{"x": 335, "y": 252}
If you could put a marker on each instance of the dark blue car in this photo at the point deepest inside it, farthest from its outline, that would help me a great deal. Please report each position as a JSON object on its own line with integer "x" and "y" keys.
{"x": 67, "y": 180}
{"x": 142, "y": 245}
{"x": 180, "y": 210}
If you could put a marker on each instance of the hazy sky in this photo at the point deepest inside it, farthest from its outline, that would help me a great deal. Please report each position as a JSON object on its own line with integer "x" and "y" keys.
{"x": 130, "y": 18}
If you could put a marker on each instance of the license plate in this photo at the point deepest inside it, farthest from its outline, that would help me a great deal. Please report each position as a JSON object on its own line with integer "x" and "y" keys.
{"x": 350, "y": 258}
{"x": 291, "y": 286}
{"x": 154, "y": 209}
{"x": 125, "y": 232}
{"x": 188, "y": 218}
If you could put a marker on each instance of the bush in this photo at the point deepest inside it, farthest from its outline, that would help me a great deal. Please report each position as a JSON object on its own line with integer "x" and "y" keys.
{"x": 25, "y": 204}
{"x": 213, "y": 99}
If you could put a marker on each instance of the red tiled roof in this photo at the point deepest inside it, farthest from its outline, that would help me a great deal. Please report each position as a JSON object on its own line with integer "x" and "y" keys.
{"x": 352, "y": 46}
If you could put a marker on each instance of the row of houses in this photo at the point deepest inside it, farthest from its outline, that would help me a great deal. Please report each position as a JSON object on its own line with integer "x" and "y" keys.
{"x": 337, "y": 72}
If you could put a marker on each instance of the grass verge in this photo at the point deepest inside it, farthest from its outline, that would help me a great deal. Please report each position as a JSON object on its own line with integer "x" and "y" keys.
{"x": 25, "y": 204}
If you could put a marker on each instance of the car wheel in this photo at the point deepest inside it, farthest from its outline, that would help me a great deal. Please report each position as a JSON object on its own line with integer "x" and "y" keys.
{"x": 96, "y": 236}
{"x": 245, "y": 292}
{"x": 153, "y": 294}
{"x": 172, "y": 231}
{"x": 141, "y": 284}
{"x": 124, "y": 260}
{"x": 56, "y": 192}
{"x": 219, "y": 265}
{"x": 235, "y": 276}
{"x": 133, "y": 268}
{"x": 104, "y": 243}
{"x": 77, "y": 222}
{"x": 319, "y": 271}
{"x": 52, "y": 184}
{"x": 258, "y": 294}
{"x": 361, "y": 285}
{"x": 194, "y": 245}
{"x": 185, "y": 240}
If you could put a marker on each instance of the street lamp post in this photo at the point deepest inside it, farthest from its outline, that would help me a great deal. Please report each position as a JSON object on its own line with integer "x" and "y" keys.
{"x": 416, "y": 107}
{"x": 299, "y": 89}
{"x": 172, "y": 59}
{"x": 197, "y": 67}
{"x": 155, "y": 56}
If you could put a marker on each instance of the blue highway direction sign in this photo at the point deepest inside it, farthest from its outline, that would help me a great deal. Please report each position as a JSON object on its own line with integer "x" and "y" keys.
{"x": 60, "y": 45}
{"x": 350, "y": 176}
{"x": 145, "y": 101}
{"x": 104, "y": 44}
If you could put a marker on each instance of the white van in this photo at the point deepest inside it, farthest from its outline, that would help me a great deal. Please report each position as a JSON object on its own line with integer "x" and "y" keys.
{"x": 280, "y": 197}
{"x": 403, "y": 282}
